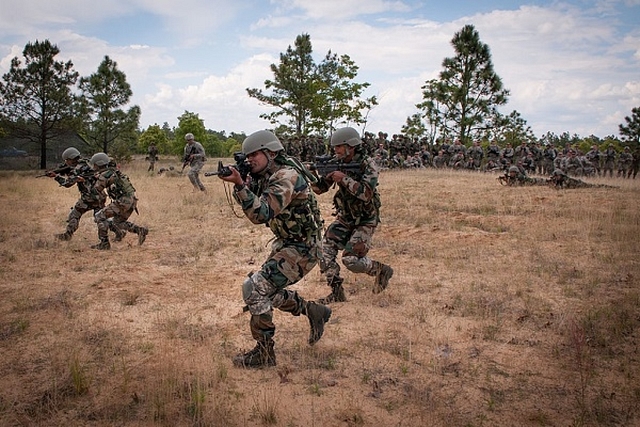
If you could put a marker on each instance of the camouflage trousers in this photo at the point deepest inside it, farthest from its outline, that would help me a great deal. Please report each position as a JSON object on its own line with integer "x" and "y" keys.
{"x": 120, "y": 210}
{"x": 354, "y": 241}
{"x": 80, "y": 208}
{"x": 265, "y": 289}
{"x": 194, "y": 174}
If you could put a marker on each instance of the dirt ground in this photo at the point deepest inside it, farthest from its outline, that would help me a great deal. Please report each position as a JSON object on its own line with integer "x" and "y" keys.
{"x": 508, "y": 307}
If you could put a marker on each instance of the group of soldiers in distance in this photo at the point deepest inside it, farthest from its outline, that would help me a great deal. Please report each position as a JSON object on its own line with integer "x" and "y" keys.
{"x": 542, "y": 158}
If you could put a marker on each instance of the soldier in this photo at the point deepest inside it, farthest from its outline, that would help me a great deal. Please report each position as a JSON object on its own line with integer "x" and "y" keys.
{"x": 123, "y": 201}
{"x": 77, "y": 171}
{"x": 549, "y": 155}
{"x": 152, "y": 156}
{"x": 593, "y": 156}
{"x": 560, "y": 180}
{"x": 508, "y": 154}
{"x": 278, "y": 194}
{"x": 625, "y": 160}
{"x": 515, "y": 177}
{"x": 609, "y": 160}
{"x": 475, "y": 155}
{"x": 635, "y": 165}
{"x": 357, "y": 204}
{"x": 194, "y": 156}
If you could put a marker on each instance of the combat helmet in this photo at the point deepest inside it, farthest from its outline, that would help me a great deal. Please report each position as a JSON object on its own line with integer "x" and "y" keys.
{"x": 99, "y": 159}
{"x": 261, "y": 140}
{"x": 188, "y": 137}
{"x": 514, "y": 169}
{"x": 347, "y": 135}
{"x": 70, "y": 153}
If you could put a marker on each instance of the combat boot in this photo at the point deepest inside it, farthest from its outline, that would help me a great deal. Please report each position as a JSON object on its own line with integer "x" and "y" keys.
{"x": 119, "y": 235}
{"x": 337, "y": 291}
{"x": 142, "y": 234}
{"x": 104, "y": 245}
{"x": 383, "y": 274}
{"x": 318, "y": 315}
{"x": 66, "y": 236}
{"x": 261, "y": 356}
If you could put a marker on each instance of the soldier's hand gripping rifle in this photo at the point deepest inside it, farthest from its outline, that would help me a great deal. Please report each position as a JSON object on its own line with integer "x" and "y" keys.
{"x": 241, "y": 165}
{"x": 187, "y": 157}
{"x": 326, "y": 164}
{"x": 62, "y": 170}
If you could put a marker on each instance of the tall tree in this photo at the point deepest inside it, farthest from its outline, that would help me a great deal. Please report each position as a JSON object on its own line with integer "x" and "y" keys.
{"x": 339, "y": 97}
{"x": 464, "y": 100}
{"x": 512, "y": 129}
{"x": 37, "y": 99}
{"x": 309, "y": 97}
{"x": 631, "y": 131}
{"x": 293, "y": 87}
{"x": 104, "y": 94}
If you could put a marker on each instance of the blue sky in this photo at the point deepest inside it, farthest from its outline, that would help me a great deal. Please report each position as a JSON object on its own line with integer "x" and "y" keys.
{"x": 571, "y": 66}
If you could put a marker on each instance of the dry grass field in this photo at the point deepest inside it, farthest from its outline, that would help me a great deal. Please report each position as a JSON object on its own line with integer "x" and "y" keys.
{"x": 508, "y": 307}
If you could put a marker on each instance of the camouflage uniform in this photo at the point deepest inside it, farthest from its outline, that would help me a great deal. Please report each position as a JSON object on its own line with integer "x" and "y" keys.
{"x": 281, "y": 198}
{"x": 609, "y": 161}
{"x": 123, "y": 203}
{"x": 152, "y": 157}
{"x": 195, "y": 156}
{"x": 90, "y": 199}
{"x": 625, "y": 160}
{"x": 560, "y": 180}
{"x": 357, "y": 205}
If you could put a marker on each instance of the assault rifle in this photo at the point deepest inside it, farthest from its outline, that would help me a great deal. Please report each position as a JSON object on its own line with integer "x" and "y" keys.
{"x": 326, "y": 164}
{"x": 241, "y": 165}
{"x": 187, "y": 157}
{"x": 64, "y": 170}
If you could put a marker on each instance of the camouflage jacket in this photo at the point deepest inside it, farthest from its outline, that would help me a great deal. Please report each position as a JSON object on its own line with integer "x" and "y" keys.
{"x": 86, "y": 185}
{"x": 116, "y": 184}
{"x": 357, "y": 200}
{"x": 282, "y": 199}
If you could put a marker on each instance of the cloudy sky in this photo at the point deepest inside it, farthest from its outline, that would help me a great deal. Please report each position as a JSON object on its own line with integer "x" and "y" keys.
{"x": 571, "y": 66}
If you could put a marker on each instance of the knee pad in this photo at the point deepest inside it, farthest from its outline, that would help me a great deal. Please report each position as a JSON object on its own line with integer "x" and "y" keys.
{"x": 355, "y": 264}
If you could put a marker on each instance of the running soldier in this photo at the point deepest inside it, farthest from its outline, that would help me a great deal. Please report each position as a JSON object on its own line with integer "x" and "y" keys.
{"x": 194, "y": 157}
{"x": 277, "y": 193}
{"x": 77, "y": 171}
{"x": 152, "y": 156}
{"x": 123, "y": 202}
{"x": 357, "y": 204}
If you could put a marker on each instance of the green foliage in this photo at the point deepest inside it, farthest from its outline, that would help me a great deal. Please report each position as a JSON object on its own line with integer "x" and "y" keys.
{"x": 36, "y": 99}
{"x": 189, "y": 122}
{"x": 463, "y": 102}
{"x": 106, "y": 125}
{"x": 154, "y": 134}
{"x": 631, "y": 131}
{"x": 310, "y": 98}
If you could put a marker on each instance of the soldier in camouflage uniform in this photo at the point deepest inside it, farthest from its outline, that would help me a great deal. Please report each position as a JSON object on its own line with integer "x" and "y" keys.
{"x": 277, "y": 193}
{"x": 195, "y": 157}
{"x": 357, "y": 204}
{"x": 625, "y": 160}
{"x": 609, "y": 160}
{"x": 123, "y": 201}
{"x": 78, "y": 172}
{"x": 560, "y": 180}
{"x": 515, "y": 177}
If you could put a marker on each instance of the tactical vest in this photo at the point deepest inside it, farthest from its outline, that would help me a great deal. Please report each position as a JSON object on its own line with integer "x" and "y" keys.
{"x": 353, "y": 209}
{"x": 301, "y": 220}
{"x": 121, "y": 186}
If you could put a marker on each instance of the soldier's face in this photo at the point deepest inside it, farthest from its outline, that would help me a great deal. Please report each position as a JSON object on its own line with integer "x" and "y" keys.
{"x": 343, "y": 152}
{"x": 258, "y": 161}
